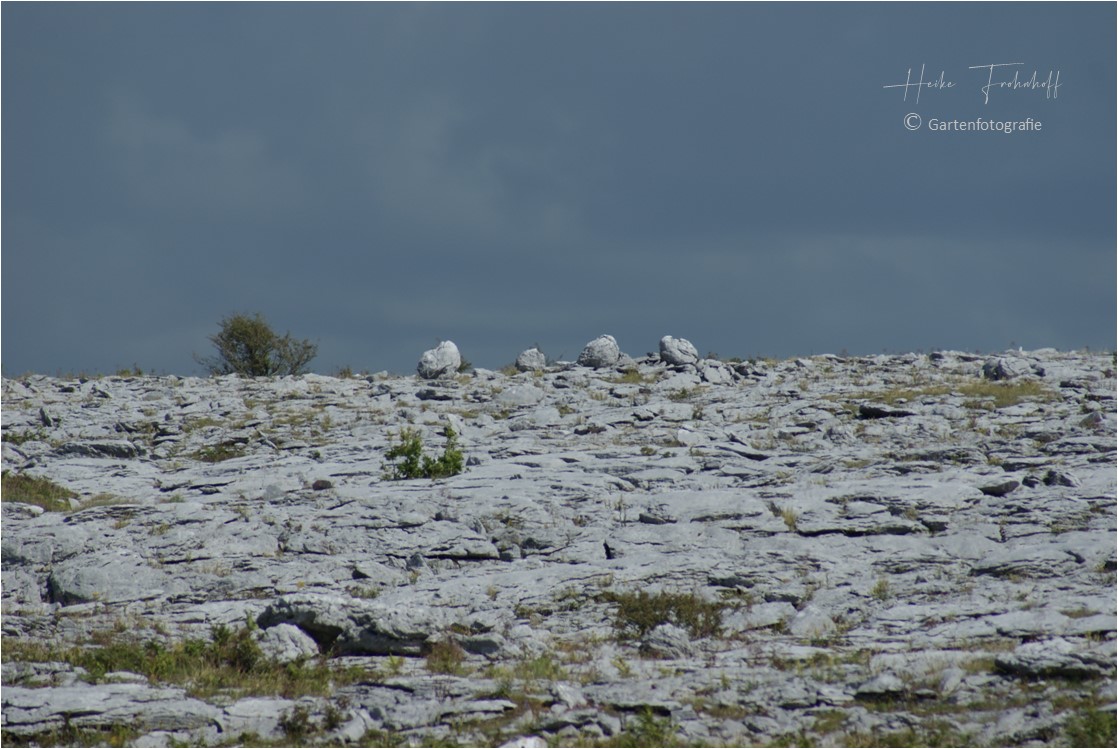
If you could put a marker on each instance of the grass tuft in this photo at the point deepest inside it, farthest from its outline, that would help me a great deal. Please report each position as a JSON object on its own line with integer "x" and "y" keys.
{"x": 33, "y": 490}
{"x": 446, "y": 657}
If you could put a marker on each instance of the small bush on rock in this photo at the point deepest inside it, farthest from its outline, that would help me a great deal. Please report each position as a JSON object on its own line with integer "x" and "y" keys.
{"x": 411, "y": 463}
{"x": 248, "y": 346}
{"x": 639, "y": 613}
{"x": 446, "y": 657}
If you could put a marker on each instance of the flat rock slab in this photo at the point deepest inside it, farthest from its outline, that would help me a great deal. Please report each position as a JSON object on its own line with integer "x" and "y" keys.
{"x": 34, "y": 711}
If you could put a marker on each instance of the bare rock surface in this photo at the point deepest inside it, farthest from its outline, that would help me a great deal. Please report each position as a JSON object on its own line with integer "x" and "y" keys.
{"x": 666, "y": 549}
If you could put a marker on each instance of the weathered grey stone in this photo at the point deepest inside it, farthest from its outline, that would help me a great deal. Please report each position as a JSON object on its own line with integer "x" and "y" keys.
{"x": 667, "y": 641}
{"x": 101, "y": 449}
{"x": 1057, "y": 658}
{"x": 882, "y": 686}
{"x": 33, "y": 711}
{"x": 255, "y": 715}
{"x": 811, "y": 622}
{"x": 110, "y": 576}
{"x": 601, "y": 353}
{"x": 999, "y": 489}
{"x": 1028, "y": 561}
{"x": 873, "y": 411}
{"x": 531, "y": 360}
{"x": 48, "y": 674}
{"x": 1006, "y": 368}
{"x": 286, "y": 643}
{"x": 540, "y": 417}
{"x": 759, "y": 616}
{"x": 362, "y": 627}
{"x": 717, "y": 373}
{"x": 520, "y": 395}
{"x": 1060, "y": 478}
{"x": 440, "y": 361}
{"x": 526, "y": 742}
{"x": 677, "y": 351}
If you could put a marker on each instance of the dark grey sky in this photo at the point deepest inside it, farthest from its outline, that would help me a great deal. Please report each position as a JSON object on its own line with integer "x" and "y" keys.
{"x": 380, "y": 177}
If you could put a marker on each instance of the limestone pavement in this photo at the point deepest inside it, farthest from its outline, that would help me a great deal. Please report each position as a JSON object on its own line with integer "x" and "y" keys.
{"x": 823, "y": 549}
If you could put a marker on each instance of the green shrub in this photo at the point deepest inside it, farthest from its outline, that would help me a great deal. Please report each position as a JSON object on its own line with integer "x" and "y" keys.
{"x": 639, "y": 613}
{"x": 248, "y": 346}
{"x": 411, "y": 463}
{"x": 446, "y": 657}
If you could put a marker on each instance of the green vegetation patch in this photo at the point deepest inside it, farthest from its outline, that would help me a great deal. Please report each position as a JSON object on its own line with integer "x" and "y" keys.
{"x": 1006, "y": 394}
{"x": 633, "y": 376}
{"x": 32, "y": 490}
{"x": 446, "y": 657}
{"x": 647, "y": 729}
{"x": 1091, "y": 728}
{"x": 71, "y": 735}
{"x": 641, "y": 612}
{"x": 28, "y": 435}
{"x": 408, "y": 461}
{"x": 231, "y": 661}
{"x": 220, "y": 452}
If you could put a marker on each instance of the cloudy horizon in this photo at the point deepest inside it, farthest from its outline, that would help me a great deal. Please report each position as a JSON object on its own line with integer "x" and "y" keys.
{"x": 380, "y": 177}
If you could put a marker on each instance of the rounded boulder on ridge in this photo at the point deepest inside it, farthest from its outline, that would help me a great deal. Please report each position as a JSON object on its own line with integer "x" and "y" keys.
{"x": 440, "y": 361}
{"x": 677, "y": 351}
{"x": 600, "y": 353}
{"x": 531, "y": 360}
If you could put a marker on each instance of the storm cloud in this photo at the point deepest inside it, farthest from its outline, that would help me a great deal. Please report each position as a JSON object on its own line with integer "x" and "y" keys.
{"x": 380, "y": 177}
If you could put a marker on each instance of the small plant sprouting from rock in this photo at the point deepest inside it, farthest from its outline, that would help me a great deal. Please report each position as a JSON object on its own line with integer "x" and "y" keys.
{"x": 791, "y": 518}
{"x": 296, "y": 723}
{"x": 880, "y": 590}
{"x": 409, "y": 462}
{"x": 366, "y": 592}
{"x": 446, "y": 657}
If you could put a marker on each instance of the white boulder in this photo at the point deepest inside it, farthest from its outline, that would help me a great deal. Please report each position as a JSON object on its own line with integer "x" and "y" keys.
{"x": 677, "y": 351}
{"x": 600, "y": 353}
{"x": 531, "y": 360}
{"x": 440, "y": 361}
